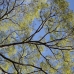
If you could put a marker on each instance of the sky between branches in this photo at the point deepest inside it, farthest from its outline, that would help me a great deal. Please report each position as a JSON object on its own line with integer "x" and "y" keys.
{"x": 71, "y": 3}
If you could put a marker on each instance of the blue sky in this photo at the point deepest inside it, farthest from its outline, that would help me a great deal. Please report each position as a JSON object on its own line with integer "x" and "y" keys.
{"x": 71, "y": 2}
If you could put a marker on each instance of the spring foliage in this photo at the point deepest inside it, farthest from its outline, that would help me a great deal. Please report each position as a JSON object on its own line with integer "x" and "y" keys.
{"x": 36, "y": 37}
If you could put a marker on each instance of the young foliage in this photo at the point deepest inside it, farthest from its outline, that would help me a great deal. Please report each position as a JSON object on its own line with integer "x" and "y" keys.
{"x": 36, "y": 37}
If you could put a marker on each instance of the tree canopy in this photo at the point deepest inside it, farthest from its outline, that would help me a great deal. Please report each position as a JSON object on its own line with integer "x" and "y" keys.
{"x": 36, "y": 37}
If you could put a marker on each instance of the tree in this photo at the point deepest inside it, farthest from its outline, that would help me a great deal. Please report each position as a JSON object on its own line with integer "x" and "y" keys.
{"x": 36, "y": 37}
